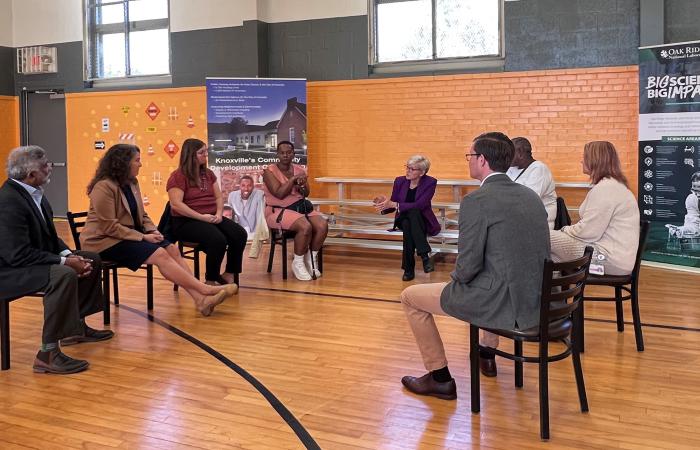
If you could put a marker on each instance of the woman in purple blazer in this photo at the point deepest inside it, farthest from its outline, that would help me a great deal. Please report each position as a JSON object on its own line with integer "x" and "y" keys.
{"x": 411, "y": 197}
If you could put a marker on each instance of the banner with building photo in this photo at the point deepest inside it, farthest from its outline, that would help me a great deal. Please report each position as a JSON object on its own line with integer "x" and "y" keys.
{"x": 246, "y": 118}
{"x": 669, "y": 151}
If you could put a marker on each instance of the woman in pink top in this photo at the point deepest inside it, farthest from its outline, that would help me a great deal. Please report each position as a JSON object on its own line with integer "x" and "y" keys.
{"x": 286, "y": 186}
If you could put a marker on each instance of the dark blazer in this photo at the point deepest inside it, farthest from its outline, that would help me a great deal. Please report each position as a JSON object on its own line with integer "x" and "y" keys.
{"x": 503, "y": 242}
{"x": 424, "y": 195}
{"x": 29, "y": 244}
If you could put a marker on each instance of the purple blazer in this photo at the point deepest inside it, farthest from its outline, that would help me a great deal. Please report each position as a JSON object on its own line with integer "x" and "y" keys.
{"x": 424, "y": 195}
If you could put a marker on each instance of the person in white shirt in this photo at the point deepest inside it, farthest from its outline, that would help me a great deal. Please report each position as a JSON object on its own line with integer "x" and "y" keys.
{"x": 247, "y": 202}
{"x": 248, "y": 207}
{"x": 691, "y": 225}
{"x": 534, "y": 174}
{"x": 609, "y": 216}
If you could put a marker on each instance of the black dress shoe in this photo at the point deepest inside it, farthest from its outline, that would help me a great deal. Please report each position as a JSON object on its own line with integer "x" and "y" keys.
{"x": 90, "y": 335}
{"x": 58, "y": 362}
{"x": 408, "y": 276}
{"x": 428, "y": 265}
{"x": 426, "y": 385}
{"x": 488, "y": 367}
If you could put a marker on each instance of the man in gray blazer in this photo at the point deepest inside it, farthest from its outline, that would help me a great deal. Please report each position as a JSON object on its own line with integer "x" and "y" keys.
{"x": 503, "y": 242}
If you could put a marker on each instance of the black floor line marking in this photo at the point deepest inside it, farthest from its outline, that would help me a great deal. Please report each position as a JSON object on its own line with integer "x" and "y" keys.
{"x": 650, "y": 325}
{"x": 286, "y": 415}
{"x": 386, "y": 300}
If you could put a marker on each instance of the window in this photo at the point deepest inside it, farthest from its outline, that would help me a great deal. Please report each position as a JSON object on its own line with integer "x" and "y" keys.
{"x": 451, "y": 34}
{"x": 291, "y": 135}
{"x": 126, "y": 38}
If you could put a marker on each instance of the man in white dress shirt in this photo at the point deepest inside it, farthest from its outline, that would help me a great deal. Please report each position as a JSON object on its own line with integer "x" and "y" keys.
{"x": 535, "y": 175}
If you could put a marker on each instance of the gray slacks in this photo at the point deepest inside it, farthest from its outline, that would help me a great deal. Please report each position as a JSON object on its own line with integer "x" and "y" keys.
{"x": 67, "y": 299}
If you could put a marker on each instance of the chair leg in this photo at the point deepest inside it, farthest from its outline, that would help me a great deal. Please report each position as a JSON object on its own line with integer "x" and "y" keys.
{"x": 518, "y": 347}
{"x": 237, "y": 278}
{"x": 474, "y": 367}
{"x": 105, "y": 296}
{"x": 284, "y": 258}
{"x": 320, "y": 260}
{"x": 149, "y": 287}
{"x": 5, "y": 334}
{"x": 115, "y": 283}
{"x": 271, "y": 258}
{"x": 634, "y": 301}
{"x": 196, "y": 264}
{"x": 618, "y": 309}
{"x": 544, "y": 390}
{"x": 579, "y": 328}
{"x": 181, "y": 249}
{"x": 580, "y": 385}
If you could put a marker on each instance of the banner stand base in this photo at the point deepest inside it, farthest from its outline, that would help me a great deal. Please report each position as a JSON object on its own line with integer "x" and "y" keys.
{"x": 677, "y": 268}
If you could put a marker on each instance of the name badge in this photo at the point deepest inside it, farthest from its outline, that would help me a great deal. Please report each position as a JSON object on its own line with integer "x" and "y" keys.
{"x": 596, "y": 269}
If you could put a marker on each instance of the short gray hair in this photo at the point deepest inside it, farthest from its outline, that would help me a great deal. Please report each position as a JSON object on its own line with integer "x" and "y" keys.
{"x": 23, "y": 160}
{"x": 420, "y": 161}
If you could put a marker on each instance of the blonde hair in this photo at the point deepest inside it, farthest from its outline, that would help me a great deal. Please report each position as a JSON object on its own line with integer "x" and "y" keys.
{"x": 600, "y": 157}
{"x": 420, "y": 161}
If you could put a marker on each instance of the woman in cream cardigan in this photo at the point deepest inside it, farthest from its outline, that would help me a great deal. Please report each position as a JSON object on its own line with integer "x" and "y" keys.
{"x": 118, "y": 228}
{"x": 609, "y": 216}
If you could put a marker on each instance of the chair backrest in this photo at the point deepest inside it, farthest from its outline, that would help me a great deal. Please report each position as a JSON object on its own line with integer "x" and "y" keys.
{"x": 562, "y": 218}
{"x": 562, "y": 289}
{"x": 644, "y": 226}
{"x": 165, "y": 225}
{"x": 76, "y": 221}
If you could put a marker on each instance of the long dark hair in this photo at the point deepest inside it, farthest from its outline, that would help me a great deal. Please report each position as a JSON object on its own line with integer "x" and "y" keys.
{"x": 188, "y": 161}
{"x": 115, "y": 165}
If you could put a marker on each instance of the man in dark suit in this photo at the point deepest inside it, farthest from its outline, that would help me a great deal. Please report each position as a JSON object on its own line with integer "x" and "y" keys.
{"x": 503, "y": 242}
{"x": 33, "y": 258}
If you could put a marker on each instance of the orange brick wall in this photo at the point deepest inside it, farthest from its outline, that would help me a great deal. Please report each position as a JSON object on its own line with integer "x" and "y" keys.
{"x": 9, "y": 129}
{"x": 370, "y": 127}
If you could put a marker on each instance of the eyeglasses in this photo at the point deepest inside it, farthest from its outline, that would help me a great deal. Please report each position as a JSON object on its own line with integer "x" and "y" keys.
{"x": 469, "y": 155}
{"x": 204, "y": 151}
{"x": 413, "y": 169}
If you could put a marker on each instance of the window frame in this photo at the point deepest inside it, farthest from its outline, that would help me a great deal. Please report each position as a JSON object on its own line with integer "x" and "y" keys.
{"x": 91, "y": 32}
{"x": 461, "y": 63}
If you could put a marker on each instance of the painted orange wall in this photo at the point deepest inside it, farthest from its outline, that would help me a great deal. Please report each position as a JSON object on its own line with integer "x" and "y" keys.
{"x": 368, "y": 128}
{"x": 126, "y": 111}
{"x": 9, "y": 129}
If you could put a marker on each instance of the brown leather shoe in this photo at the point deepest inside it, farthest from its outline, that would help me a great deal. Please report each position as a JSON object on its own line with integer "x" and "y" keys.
{"x": 488, "y": 367}
{"x": 57, "y": 362}
{"x": 426, "y": 385}
{"x": 90, "y": 335}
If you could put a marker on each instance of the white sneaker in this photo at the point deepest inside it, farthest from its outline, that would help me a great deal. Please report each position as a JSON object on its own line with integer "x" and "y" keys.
{"x": 299, "y": 270}
{"x": 307, "y": 263}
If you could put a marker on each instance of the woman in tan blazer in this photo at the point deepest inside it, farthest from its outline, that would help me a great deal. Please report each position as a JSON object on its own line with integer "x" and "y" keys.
{"x": 118, "y": 228}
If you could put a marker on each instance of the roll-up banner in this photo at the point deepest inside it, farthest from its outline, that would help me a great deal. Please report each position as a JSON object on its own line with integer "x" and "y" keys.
{"x": 669, "y": 151}
{"x": 246, "y": 118}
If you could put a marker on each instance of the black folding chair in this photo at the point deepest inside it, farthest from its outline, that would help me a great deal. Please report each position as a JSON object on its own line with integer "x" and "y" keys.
{"x": 559, "y": 308}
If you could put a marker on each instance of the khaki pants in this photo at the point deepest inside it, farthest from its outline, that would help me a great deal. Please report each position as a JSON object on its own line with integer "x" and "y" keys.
{"x": 420, "y": 303}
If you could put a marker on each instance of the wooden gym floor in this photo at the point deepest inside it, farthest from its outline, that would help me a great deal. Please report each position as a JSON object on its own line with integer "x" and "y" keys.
{"x": 318, "y": 364}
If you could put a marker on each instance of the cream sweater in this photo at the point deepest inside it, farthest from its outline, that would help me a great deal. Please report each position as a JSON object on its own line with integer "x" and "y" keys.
{"x": 610, "y": 221}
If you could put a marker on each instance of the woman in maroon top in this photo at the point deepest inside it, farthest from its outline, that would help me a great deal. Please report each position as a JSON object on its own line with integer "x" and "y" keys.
{"x": 197, "y": 214}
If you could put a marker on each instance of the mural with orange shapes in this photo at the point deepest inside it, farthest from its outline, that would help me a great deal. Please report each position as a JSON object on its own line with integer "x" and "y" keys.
{"x": 84, "y": 113}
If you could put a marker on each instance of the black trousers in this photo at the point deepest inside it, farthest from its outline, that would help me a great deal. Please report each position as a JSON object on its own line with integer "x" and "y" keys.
{"x": 68, "y": 299}
{"x": 216, "y": 240}
{"x": 415, "y": 238}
